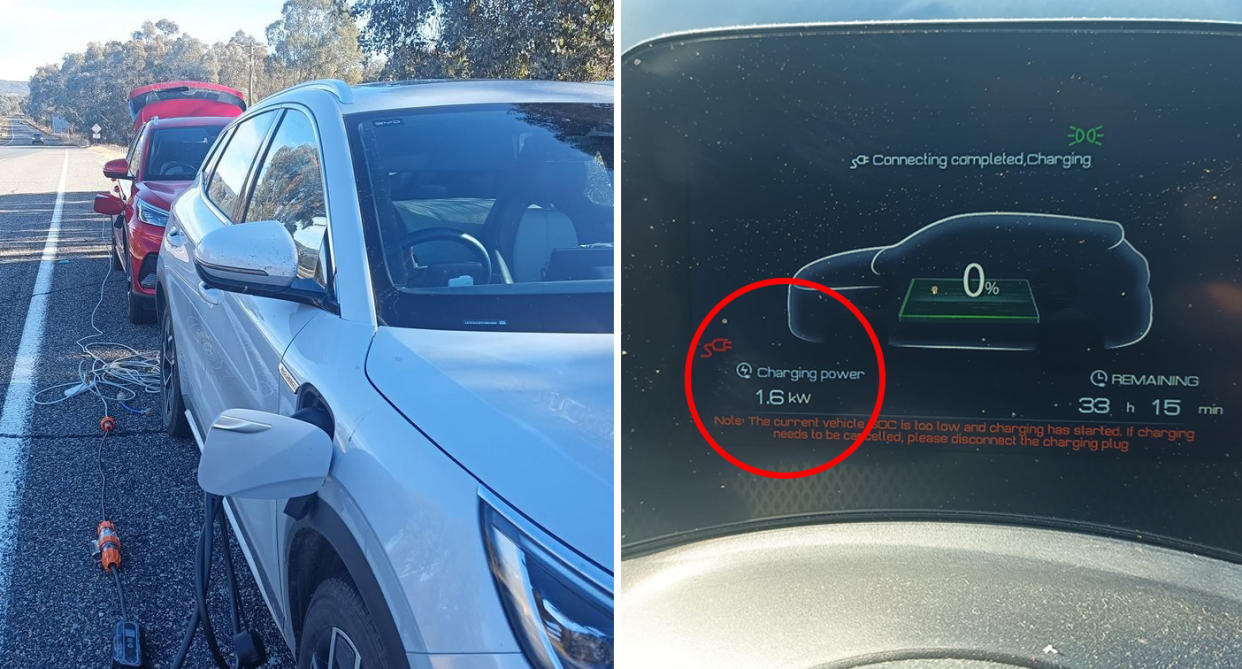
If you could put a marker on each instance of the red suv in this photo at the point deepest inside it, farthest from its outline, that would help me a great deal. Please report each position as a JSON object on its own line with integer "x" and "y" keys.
{"x": 162, "y": 161}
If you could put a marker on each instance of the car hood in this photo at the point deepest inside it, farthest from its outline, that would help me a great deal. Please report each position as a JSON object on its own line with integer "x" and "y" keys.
{"x": 162, "y": 193}
{"x": 529, "y": 414}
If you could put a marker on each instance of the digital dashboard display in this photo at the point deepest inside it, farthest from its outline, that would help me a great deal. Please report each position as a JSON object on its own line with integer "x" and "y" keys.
{"x": 1042, "y": 224}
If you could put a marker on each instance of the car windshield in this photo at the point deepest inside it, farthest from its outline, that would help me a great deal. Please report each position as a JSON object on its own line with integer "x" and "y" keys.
{"x": 177, "y": 153}
{"x": 1036, "y": 220}
{"x": 489, "y": 217}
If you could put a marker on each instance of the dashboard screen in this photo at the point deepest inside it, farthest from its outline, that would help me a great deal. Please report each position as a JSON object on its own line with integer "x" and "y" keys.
{"x": 1040, "y": 222}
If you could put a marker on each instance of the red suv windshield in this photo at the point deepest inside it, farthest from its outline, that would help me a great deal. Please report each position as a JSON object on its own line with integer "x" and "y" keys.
{"x": 176, "y": 153}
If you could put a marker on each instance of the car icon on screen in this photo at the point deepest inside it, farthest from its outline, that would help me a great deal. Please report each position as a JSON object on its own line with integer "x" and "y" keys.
{"x": 993, "y": 280}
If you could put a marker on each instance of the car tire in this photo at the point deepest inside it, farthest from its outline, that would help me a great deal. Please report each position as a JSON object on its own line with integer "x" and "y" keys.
{"x": 336, "y": 612}
{"x": 172, "y": 404}
{"x": 137, "y": 308}
{"x": 117, "y": 265}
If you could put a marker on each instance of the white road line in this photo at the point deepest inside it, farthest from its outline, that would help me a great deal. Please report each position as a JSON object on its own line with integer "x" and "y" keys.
{"x": 15, "y": 418}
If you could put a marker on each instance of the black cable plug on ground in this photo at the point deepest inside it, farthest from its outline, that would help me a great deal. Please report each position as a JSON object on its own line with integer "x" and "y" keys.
{"x": 127, "y": 635}
{"x": 127, "y": 644}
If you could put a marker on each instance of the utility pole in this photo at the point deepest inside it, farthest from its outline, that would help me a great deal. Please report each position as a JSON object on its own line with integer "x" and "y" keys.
{"x": 250, "y": 87}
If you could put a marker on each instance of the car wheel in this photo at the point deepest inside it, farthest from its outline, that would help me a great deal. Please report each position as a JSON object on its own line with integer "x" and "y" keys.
{"x": 117, "y": 265}
{"x": 338, "y": 631}
{"x": 137, "y": 308}
{"x": 172, "y": 405}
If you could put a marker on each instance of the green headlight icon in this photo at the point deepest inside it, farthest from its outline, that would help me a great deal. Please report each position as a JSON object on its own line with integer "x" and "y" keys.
{"x": 1078, "y": 135}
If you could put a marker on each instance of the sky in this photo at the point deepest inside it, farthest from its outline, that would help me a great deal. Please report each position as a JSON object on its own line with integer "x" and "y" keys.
{"x": 37, "y": 32}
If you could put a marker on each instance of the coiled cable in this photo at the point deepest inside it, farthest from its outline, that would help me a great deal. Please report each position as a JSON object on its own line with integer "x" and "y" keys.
{"x": 109, "y": 377}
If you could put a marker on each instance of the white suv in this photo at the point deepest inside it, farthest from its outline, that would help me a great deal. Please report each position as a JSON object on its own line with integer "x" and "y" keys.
{"x": 424, "y": 270}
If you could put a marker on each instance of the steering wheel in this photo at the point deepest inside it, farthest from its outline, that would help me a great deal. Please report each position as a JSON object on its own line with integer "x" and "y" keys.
{"x": 464, "y": 239}
{"x": 177, "y": 167}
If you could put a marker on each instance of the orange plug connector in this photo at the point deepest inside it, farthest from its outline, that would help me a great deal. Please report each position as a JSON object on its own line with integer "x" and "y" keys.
{"x": 109, "y": 545}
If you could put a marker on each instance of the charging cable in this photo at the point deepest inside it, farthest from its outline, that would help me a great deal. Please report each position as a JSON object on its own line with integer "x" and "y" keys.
{"x": 247, "y": 645}
{"x": 127, "y": 634}
{"x": 119, "y": 379}
{"x": 122, "y": 379}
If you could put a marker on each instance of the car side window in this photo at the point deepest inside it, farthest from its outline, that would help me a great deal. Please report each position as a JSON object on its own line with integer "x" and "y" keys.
{"x": 225, "y": 188}
{"x": 290, "y": 189}
{"x": 209, "y": 163}
{"x": 129, "y": 157}
{"x": 134, "y": 159}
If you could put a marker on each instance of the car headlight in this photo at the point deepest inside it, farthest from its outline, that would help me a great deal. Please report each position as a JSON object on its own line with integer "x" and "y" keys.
{"x": 151, "y": 214}
{"x": 558, "y": 603}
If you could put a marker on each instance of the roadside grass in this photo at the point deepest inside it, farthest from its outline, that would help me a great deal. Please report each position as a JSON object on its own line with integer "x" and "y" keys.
{"x": 109, "y": 151}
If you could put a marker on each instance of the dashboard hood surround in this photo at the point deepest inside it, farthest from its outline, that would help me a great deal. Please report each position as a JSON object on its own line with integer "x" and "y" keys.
{"x": 528, "y": 414}
{"x": 856, "y": 594}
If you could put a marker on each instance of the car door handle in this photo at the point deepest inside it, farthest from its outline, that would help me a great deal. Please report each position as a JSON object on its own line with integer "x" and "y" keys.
{"x": 175, "y": 237}
{"x": 209, "y": 295}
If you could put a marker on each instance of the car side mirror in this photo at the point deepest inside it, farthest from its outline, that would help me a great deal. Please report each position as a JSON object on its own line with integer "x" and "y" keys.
{"x": 108, "y": 204}
{"x": 260, "y": 455}
{"x": 257, "y": 258}
{"x": 117, "y": 168}
{"x": 249, "y": 257}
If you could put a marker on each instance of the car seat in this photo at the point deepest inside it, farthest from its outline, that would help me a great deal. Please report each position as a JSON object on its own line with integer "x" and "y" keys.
{"x": 539, "y": 232}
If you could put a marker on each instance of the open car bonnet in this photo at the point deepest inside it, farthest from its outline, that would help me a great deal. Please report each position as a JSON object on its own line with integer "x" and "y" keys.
{"x": 175, "y": 99}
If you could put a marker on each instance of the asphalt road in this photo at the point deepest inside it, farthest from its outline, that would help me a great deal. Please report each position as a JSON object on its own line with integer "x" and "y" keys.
{"x": 14, "y": 132}
{"x": 57, "y": 607}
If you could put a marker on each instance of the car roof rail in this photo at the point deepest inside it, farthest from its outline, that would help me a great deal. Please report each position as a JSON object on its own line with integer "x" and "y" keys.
{"x": 341, "y": 90}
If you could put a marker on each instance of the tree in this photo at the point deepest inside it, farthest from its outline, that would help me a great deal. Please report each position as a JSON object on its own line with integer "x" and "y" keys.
{"x": 93, "y": 86}
{"x": 243, "y": 60}
{"x": 537, "y": 39}
{"x": 10, "y": 105}
{"x": 234, "y": 59}
{"x": 315, "y": 39}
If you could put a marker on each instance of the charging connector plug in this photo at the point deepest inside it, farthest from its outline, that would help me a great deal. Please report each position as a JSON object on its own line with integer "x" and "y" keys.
{"x": 127, "y": 645}
{"x": 248, "y": 647}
